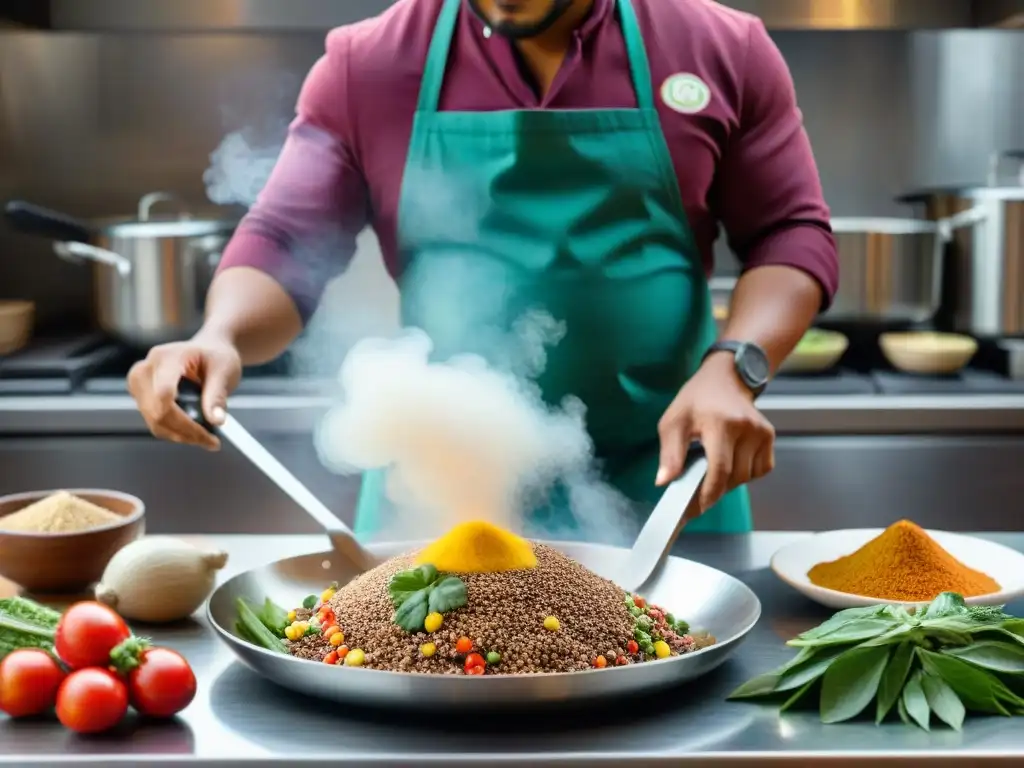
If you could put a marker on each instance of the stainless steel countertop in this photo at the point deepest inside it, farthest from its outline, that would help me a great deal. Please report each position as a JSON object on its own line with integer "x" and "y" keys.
{"x": 791, "y": 414}
{"x": 239, "y": 719}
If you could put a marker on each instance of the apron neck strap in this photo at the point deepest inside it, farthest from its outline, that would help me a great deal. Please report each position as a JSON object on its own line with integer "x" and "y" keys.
{"x": 444, "y": 31}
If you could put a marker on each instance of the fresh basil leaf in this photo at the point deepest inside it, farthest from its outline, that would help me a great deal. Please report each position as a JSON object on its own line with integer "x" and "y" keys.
{"x": 447, "y": 594}
{"x": 979, "y": 690}
{"x": 991, "y": 654}
{"x": 406, "y": 583}
{"x": 764, "y": 685}
{"x": 810, "y": 670}
{"x": 851, "y": 681}
{"x": 413, "y": 611}
{"x": 804, "y": 694}
{"x": 899, "y": 634}
{"x": 891, "y": 684}
{"x": 1014, "y": 626}
{"x": 902, "y": 710}
{"x": 915, "y": 702}
{"x": 756, "y": 687}
{"x": 845, "y": 617}
{"x": 943, "y": 701}
{"x": 998, "y": 632}
{"x": 946, "y": 604}
{"x": 851, "y": 632}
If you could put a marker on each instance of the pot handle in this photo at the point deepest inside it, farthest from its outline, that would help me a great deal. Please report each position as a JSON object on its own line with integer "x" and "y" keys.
{"x": 147, "y": 202}
{"x": 967, "y": 218}
{"x": 73, "y": 251}
{"x": 33, "y": 219}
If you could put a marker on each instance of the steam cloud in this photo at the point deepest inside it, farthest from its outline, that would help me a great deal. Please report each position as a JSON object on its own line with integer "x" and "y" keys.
{"x": 463, "y": 440}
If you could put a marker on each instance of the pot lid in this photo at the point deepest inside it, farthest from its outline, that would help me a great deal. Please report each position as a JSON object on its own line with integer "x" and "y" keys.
{"x": 967, "y": 191}
{"x": 167, "y": 227}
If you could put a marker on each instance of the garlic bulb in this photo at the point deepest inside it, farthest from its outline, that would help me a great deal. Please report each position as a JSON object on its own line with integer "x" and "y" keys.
{"x": 158, "y": 579}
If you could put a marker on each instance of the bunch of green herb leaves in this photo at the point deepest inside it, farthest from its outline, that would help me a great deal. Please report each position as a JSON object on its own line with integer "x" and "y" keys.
{"x": 943, "y": 659}
{"x": 26, "y": 624}
{"x": 418, "y": 592}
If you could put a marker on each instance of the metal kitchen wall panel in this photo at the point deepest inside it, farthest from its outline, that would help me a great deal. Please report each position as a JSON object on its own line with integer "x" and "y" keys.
{"x": 221, "y": 15}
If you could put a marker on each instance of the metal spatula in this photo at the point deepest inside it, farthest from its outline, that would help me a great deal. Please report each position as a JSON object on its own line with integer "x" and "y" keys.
{"x": 662, "y": 528}
{"x": 342, "y": 538}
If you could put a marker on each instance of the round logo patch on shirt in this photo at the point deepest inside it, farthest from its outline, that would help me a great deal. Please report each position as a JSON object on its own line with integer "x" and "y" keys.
{"x": 685, "y": 93}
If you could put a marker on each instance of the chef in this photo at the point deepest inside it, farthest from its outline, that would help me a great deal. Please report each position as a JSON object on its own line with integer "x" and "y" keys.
{"x": 574, "y": 156}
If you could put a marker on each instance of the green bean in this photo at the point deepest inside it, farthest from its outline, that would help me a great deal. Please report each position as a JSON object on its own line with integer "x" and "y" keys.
{"x": 263, "y": 637}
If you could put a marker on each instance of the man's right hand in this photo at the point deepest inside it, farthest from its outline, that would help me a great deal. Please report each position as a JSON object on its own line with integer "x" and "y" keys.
{"x": 214, "y": 364}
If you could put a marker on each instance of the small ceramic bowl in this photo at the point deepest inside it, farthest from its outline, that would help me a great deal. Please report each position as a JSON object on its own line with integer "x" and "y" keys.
{"x": 928, "y": 353}
{"x": 67, "y": 563}
{"x": 818, "y": 355}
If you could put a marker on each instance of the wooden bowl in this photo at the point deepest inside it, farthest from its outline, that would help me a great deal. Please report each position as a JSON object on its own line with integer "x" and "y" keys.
{"x": 16, "y": 320}
{"x": 67, "y": 563}
{"x": 929, "y": 353}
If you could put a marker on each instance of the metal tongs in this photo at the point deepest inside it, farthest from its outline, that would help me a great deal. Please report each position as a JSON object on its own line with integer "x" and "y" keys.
{"x": 343, "y": 540}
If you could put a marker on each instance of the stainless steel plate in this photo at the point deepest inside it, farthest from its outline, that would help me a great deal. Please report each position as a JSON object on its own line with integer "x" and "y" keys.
{"x": 707, "y": 598}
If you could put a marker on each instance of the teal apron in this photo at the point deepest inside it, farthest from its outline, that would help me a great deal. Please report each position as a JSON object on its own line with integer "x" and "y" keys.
{"x": 577, "y": 214}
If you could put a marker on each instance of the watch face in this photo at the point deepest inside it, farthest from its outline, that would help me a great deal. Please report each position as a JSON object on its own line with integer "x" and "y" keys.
{"x": 753, "y": 365}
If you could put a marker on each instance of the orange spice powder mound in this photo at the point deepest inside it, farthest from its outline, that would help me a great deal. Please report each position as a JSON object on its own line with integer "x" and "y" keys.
{"x": 902, "y": 563}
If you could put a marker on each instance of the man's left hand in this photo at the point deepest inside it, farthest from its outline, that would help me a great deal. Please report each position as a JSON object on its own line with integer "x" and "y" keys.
{"x": 716, "y": 408}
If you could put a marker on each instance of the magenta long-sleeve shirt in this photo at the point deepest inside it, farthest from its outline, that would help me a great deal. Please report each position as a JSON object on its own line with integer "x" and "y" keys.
{"x": 744, "y": 161}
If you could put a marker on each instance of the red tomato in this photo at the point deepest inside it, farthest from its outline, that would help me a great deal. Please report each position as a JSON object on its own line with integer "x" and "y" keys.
{"x": 87, "y": 633}
{"x": 474, "y": 670}
{"x": 474, "y": 660}
{"x": 163, "y": 684}
{"x": 91, "y": 700}
{"x": 29, "y": 679}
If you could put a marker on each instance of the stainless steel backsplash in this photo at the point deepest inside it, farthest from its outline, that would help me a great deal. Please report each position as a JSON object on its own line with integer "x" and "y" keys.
{"x": 89, "y": 122}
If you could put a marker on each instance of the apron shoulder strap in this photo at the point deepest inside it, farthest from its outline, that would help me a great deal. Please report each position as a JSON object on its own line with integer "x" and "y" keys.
{"x": 444, "y": 31}
{"x": 437, "y": 57}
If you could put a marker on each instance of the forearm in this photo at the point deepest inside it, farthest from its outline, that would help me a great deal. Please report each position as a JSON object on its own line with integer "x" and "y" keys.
{"x": 773, "y": 306}
{"x": 252, "y": 311}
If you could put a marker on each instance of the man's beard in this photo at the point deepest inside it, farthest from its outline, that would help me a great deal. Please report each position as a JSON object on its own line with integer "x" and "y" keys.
{"x": 515, "y": 31}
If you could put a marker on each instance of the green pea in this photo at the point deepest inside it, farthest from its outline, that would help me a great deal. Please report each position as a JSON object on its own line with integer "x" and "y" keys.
{"x": 493, "y": 657}
{"x": 670, "y": 619}
{"x": 634, "y": 611}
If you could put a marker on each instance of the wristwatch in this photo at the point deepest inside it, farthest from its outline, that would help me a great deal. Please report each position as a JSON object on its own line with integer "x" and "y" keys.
{"x": 751, "y": 362}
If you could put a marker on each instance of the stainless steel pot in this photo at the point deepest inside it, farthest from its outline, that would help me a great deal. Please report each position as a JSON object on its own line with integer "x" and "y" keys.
{"x": 986, "y": 261}
{"x": 890, "y": 270}
{"x": 151, "y": 274}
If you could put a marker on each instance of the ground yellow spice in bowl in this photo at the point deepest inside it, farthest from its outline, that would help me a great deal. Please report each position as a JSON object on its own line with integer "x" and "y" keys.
{"x": 60, "y": 541}
{"x": 904, "y": 564}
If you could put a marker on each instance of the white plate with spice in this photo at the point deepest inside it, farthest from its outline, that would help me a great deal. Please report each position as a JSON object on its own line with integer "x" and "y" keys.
{"x": 793, "y": 562}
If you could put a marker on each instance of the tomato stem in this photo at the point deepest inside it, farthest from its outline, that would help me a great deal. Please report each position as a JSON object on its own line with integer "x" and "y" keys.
{"x": 126, "y": 655}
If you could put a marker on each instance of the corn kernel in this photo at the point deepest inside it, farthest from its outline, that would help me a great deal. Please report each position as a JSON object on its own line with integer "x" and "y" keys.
{"x": 355, "y": 658}
{"x": 552, "y": 624}
{"x": 428, "y": 650}
{"x": 662, "y": 650}
{"x": 433, "y": 622}
{"x": 292, "y": 615}
{"x": 337, "y": 639}
{"x": 327, "y": 594}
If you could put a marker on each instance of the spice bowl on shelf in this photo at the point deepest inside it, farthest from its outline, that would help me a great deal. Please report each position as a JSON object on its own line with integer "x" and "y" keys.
{"x": 60, "y": 541}
{"x": 900, "y": 565}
